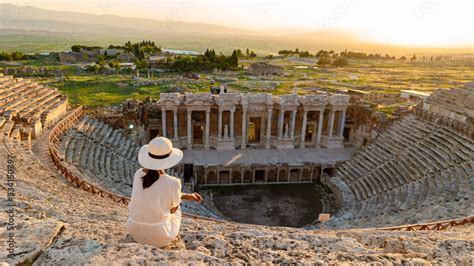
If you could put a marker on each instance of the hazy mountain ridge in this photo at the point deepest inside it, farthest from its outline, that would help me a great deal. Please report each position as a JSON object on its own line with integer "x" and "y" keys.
{"x": 33, "y": 29}
{"x": 33, "y": 18}
{"x": 16, "y": 16}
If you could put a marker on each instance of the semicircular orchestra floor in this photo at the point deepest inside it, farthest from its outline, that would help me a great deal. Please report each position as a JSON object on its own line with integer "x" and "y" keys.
{"x": 293, "y": 205}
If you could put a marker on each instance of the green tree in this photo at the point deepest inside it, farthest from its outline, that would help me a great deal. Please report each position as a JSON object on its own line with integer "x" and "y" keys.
{"x": 141, "y": 64}
{"x": 114, "y": 64}
{"x": 76, "y": 48}
{"x": 322, "y": 53}
{"x": 305, "y": 54}
{"x": 206, "y": 62}
{"x": 234, "y": 59}
{"x": 239, "y": 53}
{"x": 323, "y": 61}
{"x": 93, "y": 68}
{"x": 101, "y": 62}
{"x": 340, "y": 62}
{"x": 5, "y": 56}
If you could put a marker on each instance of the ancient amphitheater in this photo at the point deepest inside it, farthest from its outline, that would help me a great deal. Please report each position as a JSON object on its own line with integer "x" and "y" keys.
{"x": 401, "y": 196}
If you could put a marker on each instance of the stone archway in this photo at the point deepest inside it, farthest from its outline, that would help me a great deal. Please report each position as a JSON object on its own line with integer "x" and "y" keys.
{"x": 211, "y": 177}
{"x": 295, "y": 175}
{"x": 224, "y": 177}
{"x": 306, "y": 175}
{"x": 271, "y": 175}
{"x": 254, "y": 130}
{"x": 282, "y": 176}
{"x": 248, "y": 178}
{"x": 259, "y": 175}
{"x": 236, "y": 177}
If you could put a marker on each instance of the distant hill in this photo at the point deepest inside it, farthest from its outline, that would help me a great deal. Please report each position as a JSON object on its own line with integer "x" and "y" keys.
{"x": 327, "y": 35}
{"x": 32, "y": 29}
{"x": 33, "y": 18}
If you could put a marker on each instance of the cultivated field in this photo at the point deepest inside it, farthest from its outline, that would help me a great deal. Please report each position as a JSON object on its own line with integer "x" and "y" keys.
{"x": 90, "y": 89}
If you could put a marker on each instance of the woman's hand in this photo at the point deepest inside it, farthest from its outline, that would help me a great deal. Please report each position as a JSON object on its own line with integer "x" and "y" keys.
{"x": 196, "y": 197}
{"x": 192, "y": 197}
{"x": 173, "y": 210}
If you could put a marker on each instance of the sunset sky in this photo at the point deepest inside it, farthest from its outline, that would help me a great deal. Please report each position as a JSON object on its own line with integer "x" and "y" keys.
{"x": 414, "y": 23}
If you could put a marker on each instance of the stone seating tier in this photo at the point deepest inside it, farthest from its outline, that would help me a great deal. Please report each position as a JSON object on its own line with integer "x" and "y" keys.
{"x": 102, "y": 157}
{"x": 108, "y": 158}
{"x": 30, "y": 105}
{"x": 412, "y": 168}
{"x": 13, "y": 90}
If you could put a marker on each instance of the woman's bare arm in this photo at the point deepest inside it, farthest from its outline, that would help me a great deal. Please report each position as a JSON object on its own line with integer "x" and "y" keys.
{"x": 192, "y": 197}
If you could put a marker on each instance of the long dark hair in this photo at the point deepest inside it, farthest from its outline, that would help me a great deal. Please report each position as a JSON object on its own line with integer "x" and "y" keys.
{"x": 150, "y": 177}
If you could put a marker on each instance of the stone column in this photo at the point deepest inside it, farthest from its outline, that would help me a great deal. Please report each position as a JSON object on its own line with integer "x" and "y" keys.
{"x": 232, "y": 124}
{"x": 342, "y": 120}
{"x": 281, "y": 117}
{"x": 189, "y": 134}
{"x": 163, "y": 121}
{"x": 278, "y": 173}
{"x": 244, "y": 127}
{"x": 320, "y": 128}
{"x": 206, "y": 143}
{"x": 269, "y": 128}
{"x": 303, "y": 129}
{"x": 219, "y": 126}
{"x": 293, "y": 120}
{"x": 175, "y": 124}
{"x": 331, "y": 123}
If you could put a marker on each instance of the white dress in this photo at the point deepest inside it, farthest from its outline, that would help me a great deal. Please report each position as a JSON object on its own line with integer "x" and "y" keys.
{"x": 150, "y": 221}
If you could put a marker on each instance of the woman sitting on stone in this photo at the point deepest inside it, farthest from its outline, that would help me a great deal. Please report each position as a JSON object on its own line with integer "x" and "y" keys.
{"x": 154, "y": 213}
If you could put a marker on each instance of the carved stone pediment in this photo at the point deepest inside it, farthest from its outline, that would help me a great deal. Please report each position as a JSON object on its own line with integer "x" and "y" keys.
{"x": 339, "y": 100}
{"x": 260, "y": 98}
{"x": 287, "y": 100}
{"x": 169, "y": 99}
{"x": 198, "y": 99}
{"x": 228, "y": 99}
{"x": 318, "y": 100}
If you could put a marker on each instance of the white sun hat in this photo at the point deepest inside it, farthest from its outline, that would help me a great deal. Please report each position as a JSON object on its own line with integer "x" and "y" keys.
{"x": 159, "y": 154}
